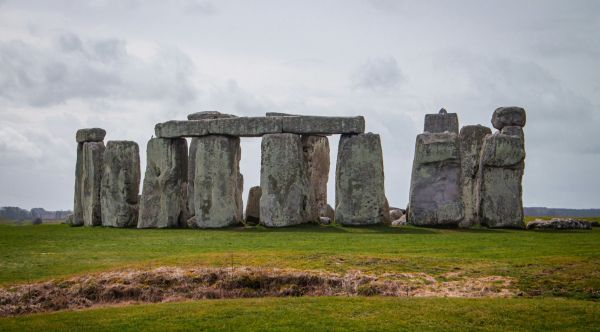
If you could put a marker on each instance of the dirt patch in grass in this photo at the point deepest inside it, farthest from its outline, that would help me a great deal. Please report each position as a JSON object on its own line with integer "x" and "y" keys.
{"x": 166, "y": 284}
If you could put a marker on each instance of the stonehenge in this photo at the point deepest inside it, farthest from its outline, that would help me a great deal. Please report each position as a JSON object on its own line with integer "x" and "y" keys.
{"x": 459, "y": 178}
{"x": 473, "y": 178}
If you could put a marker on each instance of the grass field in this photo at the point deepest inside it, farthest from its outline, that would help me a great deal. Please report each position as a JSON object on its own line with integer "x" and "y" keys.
{"x": 553, "y": 271}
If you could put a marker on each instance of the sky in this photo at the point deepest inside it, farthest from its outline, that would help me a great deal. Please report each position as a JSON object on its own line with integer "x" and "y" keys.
{"x": 126, "y": 65}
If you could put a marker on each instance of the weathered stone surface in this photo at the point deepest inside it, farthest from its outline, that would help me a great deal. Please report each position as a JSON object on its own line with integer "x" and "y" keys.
{"x": 92, "y": 162}
{"x": 120, "y": 184}
{"x": 192, "y": 168}
{"x": 513, "y": 131}
{"x": 324, "y": 220}
{"x": 329, "y": 212}
{"x": 395, "y": 214}
{"x": 508, "y": 116}
{"x": 164, "y": 197}
{"x": 216, "y": 182}
{"x": 258, "y": 126}
{"x": 285, "y": 198}
{"x": 359, "y": 189}
{"x": 242, "y": 127}
{"x": 499, "y": 181}
{"x": 400, "y": 221}
{"x": 471, "y": 141}
{"x": 441, "y": 122}
{"x": 191, "y": 210}
{"x": 323, "y": 125}
{"x": 435, "y": 192}
{"x": 559, "y": 223}
{"x": 77, "y": 219}
{"x": 90, "y": 135}
{"x": 253, "y": 206}
{"x": 209, "y": 115}
{"x": 316, "y": 156}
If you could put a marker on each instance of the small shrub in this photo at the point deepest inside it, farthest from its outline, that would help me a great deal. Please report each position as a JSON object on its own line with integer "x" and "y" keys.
{"x": 37, "y": 221}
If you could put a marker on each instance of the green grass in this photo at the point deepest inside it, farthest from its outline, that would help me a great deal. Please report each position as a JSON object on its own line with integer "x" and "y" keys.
{"x": 331, "y": 314}
{"x": 543, "y": 263}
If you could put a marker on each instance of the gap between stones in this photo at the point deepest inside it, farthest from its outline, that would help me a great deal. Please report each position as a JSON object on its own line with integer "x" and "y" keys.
{"x": 168, "y": 284}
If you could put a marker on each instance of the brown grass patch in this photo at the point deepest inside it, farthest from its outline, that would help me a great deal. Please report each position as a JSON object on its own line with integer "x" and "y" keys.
{"x": 166, "y": 284}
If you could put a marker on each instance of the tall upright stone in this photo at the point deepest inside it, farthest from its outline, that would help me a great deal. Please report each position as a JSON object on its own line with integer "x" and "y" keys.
{"x": 164, "y": 195}
{"x": 286, "y": 197}
{"x": 500, "y": 173}
{"x": 316, "y": 155}
{"x": 359, "y": 188}
{"x": 441, "y": 122}
{"x": 93, "y": 156}
{"x": 191, "y": 169}
{"x": 471, "y": 141}
{"x": 435, "y": 190}
{"x": 88, "y": 175}
{"x": 120, "y": 184}
{"x": 216, "y": 182}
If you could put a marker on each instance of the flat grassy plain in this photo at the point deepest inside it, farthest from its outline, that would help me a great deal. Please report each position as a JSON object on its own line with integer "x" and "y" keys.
{"x": 557, "y": 273}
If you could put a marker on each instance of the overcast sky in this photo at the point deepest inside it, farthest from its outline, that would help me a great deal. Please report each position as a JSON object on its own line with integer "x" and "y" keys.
{"x": 125, "y": 65}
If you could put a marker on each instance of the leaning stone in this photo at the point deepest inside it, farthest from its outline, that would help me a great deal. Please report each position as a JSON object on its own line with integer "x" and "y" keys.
{"x": 324, "y": 220}
{"x": 285, "y": 198}
{"x": 209, "y": 115}
{"x": 92, "y": 161}
{"x": 120, "y": 184}
{"x": 323, "y": 125}
{"x": 253, "y": 206}
{"x": 359, "y": 188}
{"x": 329, "y": 212}
{"x": 90, "y": 135}
{"x": 216, "y": 187}
{"x": 559, "y": 223}
{"x": 508, "y": 116}
{"x": 400, "y": 221}
{"x": 316, "y": 155}
{"x": 435, "y": 193}
{"x": 499, "y": 182}
{"x": 471, "y": 141}
{"x": 441, "y": 122}
{"x": 164, "y": 195}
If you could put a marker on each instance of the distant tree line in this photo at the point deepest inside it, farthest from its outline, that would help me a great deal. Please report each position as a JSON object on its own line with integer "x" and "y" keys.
{"x": 550, "y": 212}
{"x": 16, "y": 213}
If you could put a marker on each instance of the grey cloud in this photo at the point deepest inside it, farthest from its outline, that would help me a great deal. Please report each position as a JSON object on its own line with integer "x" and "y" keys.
{"x": 90, "y": 69}
{"x": 377, "y": 73}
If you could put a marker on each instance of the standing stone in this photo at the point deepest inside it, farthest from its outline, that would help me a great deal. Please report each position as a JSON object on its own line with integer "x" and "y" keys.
{"x": 88, "y": 204}
{"x": 435, "y": 191}
{"x": 359, "y": 188}
{"x": 92, "y": 165}
{"x": 471, "y": 140}
{"x": 191, "y": 169}
{"x": 441, "y": 122}
{"x": 216, "y": 182}
{"x": 286, "y": 198}
{"x": 253, "y": 206}
{"x": 120, "y": 184}
{"x": 77, "y": 217}
{"x": 500, "y": 173}
{"x": 509, "y": 116}
{"x": 164, "y": 196}
{"x": 316, "y": 155}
